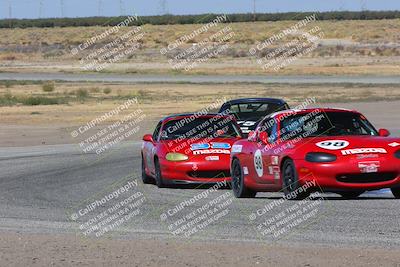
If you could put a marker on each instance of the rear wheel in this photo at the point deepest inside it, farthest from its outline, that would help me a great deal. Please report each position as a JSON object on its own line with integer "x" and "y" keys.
{"x": 145, "y": 178}
{"x": 351, "y": 194}
{"x": 396, "y": 192}
{"x": 159, "y": 179}
{"x": 290, "y": 179}
{"x": 238, "y": 186}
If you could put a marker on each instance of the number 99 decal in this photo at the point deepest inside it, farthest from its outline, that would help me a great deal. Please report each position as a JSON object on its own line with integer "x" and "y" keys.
{"x": 333, "y": 144}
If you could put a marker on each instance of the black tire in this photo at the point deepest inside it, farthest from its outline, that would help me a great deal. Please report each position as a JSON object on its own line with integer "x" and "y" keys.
{"x": 238, "y": 187}
{"x": 158, "y": 178}
{"x": 351, "y": 194}
{"x": 145, "y": 178}
{"x": 396, "y": 192}
{"x": 290, "y": 181}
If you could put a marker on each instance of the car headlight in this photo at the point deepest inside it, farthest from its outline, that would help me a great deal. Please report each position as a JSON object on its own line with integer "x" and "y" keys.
{"x": 320, "y": 157}
{"x": 176, "y": 157}
{"x": 397, "y": 154}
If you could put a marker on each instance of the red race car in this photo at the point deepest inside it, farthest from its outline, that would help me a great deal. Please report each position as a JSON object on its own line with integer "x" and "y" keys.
{"x": 301, "y": 151}
{"x": 189, "y": 148}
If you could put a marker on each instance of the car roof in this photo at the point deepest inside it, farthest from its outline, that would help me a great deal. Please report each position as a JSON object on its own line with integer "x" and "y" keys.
{"x": 309, "y": 110}
{"x": 183, "y": 115}
{"x": 255, "y": 100}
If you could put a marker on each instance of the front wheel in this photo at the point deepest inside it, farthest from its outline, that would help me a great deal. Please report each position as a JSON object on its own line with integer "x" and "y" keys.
{"x": 290, "y": 181}
{"x": 396, "y": 192}
{"x": 238, "y": 187}
{"x": 145, "y": 178}
{"x": 159, "y": 179}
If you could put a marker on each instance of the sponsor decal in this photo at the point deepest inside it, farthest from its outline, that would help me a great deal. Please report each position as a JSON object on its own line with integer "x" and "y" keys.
{"x": 237, "y": 148}
{"x": 394, "y": 144}
{"x": 367, "y": 156}
{"x": 220, "y": 145}
{"x": 274, "y": 160}
{"x": 277, "y": 175}
{"x": 207, "y": 146}
{"x": 212, "y": 158}
{"x": 199, "y": 146}
{"x": 246, "y": 123}
{"x": 258, "y": 163}
{"x": 364, "y": 151}
{"x": 211, "y": 151}
{"x": 333, "y": 144}
{"x": 369, "y": 167}
{"x": 245, "y": 170}
{"x": 270, "y": 170}
{"x": 274, "y": 170}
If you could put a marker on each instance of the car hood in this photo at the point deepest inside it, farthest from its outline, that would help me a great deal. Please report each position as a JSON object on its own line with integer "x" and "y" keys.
{"x": 345, "y": 145}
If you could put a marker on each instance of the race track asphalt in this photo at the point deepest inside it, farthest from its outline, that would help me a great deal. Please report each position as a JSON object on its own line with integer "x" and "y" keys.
{"x": 41, "y": 186}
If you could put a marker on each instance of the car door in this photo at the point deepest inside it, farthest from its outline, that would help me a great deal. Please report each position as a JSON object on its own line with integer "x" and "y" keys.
{"x": 150, "y": 149}
{"x": 270, "y": 160}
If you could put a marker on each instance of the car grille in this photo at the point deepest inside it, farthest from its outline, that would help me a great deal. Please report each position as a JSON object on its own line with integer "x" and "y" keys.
{"x": 363, "y": 178}
{"x": 209, "y": 174}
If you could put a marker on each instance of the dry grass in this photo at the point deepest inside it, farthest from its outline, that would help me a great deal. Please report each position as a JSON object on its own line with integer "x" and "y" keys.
{"x": 369, "y": 31}
{"x": 158, "y": 100}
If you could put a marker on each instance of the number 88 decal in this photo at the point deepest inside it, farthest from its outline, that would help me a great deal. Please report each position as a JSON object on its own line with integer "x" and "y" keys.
{"x": 333, "y": 144}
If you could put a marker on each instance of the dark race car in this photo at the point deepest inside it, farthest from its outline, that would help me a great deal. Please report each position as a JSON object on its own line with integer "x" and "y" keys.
{"x": 189, "y": 148}
{"x": 249, "y": 111}
{"x": 301, "y": 151}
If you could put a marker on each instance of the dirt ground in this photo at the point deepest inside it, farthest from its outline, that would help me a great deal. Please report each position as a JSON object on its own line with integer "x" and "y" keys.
{"x": 19, "y": 249}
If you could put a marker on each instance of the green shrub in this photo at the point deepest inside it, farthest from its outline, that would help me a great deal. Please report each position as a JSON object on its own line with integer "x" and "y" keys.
{"x": 81, "y": 93}
{"x": 107, "y": 90}
{"x": 48, "y": 87}
{"x": 40, "y": 100}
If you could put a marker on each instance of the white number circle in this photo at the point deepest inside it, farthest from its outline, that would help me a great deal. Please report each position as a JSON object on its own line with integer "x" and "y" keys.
{"x": 333, "y": 144}
{"x": 258, "y": 163}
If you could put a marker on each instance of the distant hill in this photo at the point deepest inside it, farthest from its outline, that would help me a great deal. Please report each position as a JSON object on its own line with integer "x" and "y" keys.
{"x": 192, "y": 19}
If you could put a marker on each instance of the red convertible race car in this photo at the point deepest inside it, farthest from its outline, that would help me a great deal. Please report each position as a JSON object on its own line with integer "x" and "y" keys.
{"x": 301, "y": 151}
{"x": 189, "y": 148}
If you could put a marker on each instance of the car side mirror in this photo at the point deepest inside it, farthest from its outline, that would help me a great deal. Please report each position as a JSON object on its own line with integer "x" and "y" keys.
{"x": 263, "y": 137}
{"x": 384, "y": 132}
{"x": 148, "y": 138}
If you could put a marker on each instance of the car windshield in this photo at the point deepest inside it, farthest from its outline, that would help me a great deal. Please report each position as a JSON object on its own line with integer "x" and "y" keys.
{"x": 245, "y": 111}
{"x": 325, "y": 124}
{"x": 203, "y": 127}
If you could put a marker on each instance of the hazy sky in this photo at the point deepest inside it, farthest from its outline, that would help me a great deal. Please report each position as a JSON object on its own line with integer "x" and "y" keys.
{"x": 82, "y": 8}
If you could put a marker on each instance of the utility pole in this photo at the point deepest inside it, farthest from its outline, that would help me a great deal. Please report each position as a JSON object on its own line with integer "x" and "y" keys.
{"x": 9, "y": 9}
{"x": 62, "y": 8}
{"x": 40, "y": 8}
{"x": 9, "y": 13}
{"x": 99, "y": 7}
{"x": 121, "y": 8}
{"x": 363, "y": 5}
{"x": 254, "y": 10}
{"x": 163, "y": 7}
